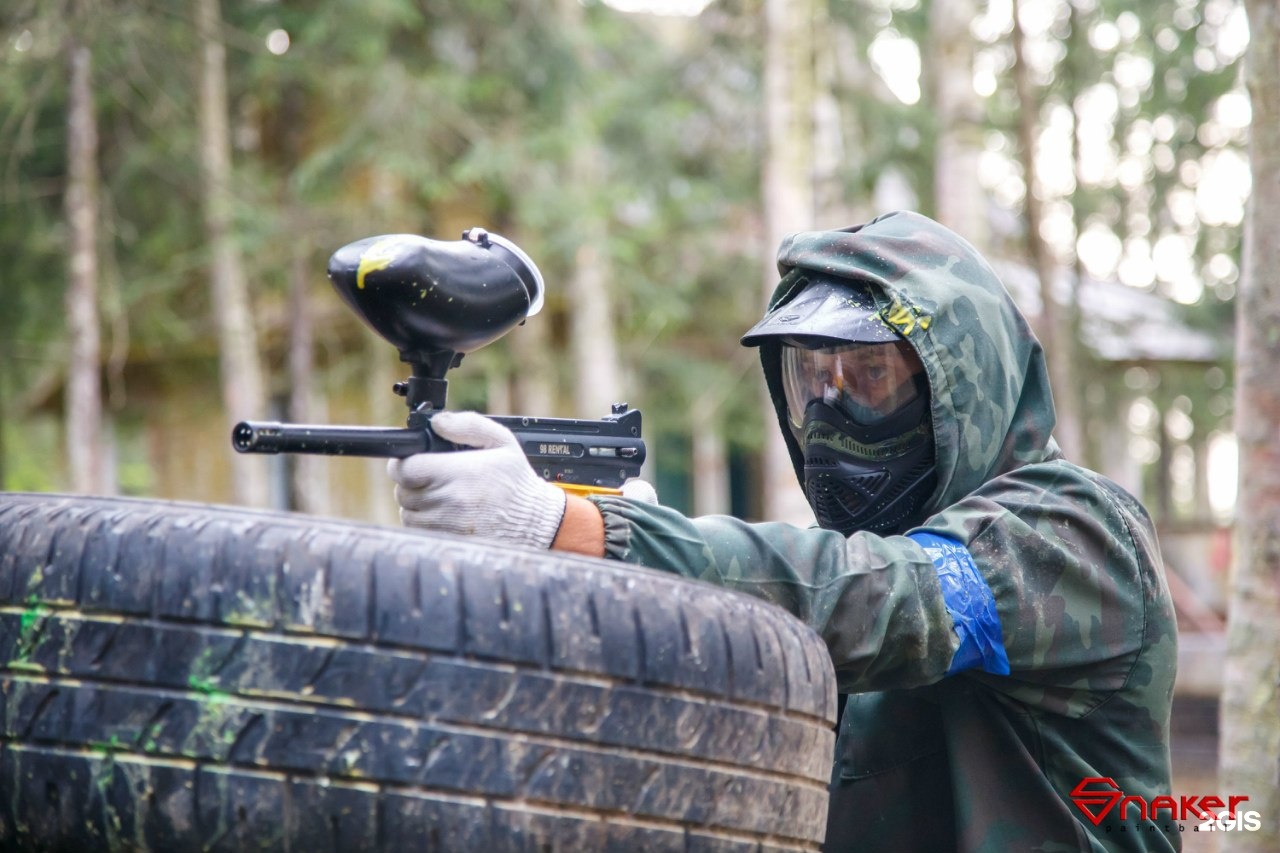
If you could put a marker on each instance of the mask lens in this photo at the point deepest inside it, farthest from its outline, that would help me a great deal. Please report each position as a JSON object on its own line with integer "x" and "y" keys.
{"x": 865, "y": 382}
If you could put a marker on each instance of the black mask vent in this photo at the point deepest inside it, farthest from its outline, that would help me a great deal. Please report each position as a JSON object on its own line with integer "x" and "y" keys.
{"x": 838, "y": 501}
{"x": 854, "y": 481}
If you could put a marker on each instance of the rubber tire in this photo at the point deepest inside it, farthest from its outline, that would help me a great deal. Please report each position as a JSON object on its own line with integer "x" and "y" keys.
{"x": 188, "y": 677}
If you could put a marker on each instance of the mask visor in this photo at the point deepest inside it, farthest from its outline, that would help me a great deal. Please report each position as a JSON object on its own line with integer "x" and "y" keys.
{"x": 865, "y": 382}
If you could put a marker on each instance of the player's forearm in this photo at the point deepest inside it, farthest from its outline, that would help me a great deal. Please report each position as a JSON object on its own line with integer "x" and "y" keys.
{"x": 581, "y": 530}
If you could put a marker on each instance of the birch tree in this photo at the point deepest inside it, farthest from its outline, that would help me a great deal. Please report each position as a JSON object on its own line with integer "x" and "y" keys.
{"x": 593, "y": 347}
{"x": 1250, "y": 746}
{"x": 310, "y": 480}
{"x": 959, "y": 198}
{"x": 309, "y": 474}
{"x": 1053, "y": 329}
{"x": 788, "y": 198}
{"x": 84, "y": 419}
{"x": 709, "y": 455}
{"x": 243, "y": 392}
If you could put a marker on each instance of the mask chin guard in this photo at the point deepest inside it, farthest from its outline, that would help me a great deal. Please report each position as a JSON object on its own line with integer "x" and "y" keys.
{"x": 878, "y": 484}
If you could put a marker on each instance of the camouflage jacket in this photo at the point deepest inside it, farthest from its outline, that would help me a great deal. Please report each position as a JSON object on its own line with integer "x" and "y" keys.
{"x": 972, "y": 761}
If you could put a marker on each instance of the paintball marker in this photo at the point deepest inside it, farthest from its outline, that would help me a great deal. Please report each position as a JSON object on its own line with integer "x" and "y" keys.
{"x": 435, "y": 301}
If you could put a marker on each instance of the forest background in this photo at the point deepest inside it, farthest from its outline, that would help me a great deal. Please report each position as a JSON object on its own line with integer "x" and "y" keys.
{"x": 173, "y": 177}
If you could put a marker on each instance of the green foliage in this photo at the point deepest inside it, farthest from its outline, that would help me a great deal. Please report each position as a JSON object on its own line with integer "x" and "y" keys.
{"x": 32, "y": 112}
{"x": 415, "y": 115}
{"x": 28, "y": 451}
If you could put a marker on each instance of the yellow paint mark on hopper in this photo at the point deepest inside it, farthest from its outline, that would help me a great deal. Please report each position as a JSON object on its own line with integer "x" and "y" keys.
{"x": 379, "y": 256}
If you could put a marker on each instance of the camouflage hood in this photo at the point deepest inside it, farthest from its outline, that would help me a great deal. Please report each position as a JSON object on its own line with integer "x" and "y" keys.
{"x": 936, "y": 751}
{"x": 991, "y": 406}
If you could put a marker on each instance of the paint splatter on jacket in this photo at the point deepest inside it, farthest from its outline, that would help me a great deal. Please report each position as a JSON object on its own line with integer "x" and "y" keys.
{"x": 927, "y": 758}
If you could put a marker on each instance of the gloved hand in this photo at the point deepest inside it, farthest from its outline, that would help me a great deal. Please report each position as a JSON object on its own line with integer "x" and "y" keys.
{"x": 640, "y": 490}
{"x": 491, "y": 491}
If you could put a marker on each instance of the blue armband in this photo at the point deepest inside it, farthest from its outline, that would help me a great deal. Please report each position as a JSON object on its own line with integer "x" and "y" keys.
{"x": 971, "y": 604}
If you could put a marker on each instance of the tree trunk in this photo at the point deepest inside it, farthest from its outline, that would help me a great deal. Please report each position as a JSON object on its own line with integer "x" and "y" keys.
{"x": 959, "y": 199}
{"x": 384, "y": 408}
{"x": 1074, "y": 370}
{"x": 710, "y": 457}
{"x": 310, "y": 480}
{"x": 1163, "y": 508}
{"x": 243, "y": 393}
{"x": 85, "y": 457}
{"x": 4, "y": 369}
{"x": 309, "y": 475}
{"x": 833, "y": 156}
{"x": 1250, "y": 740}
{"x": 788, "y": 196}
{"x": 593, "y": 345}
{"x": 1051, "y": 327}
{"x": 533, "y": 382}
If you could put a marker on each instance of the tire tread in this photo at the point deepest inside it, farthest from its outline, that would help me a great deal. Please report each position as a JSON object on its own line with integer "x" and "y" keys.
{"x": 307, "y": 684}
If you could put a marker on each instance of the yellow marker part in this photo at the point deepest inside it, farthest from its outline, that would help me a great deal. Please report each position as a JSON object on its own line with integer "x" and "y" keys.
{"x": 587, "y": 491}
{"x": 379, "y": 256}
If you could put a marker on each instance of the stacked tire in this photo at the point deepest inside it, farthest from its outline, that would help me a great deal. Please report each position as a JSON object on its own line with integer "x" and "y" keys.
{"x": 186, "y": 677}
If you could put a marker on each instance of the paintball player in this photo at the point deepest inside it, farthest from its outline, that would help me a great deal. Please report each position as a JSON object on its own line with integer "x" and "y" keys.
{"x": 997, "y": 615}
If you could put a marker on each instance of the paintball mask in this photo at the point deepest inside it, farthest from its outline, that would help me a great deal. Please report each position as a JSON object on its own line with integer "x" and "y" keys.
{"x": 857, "y": 405}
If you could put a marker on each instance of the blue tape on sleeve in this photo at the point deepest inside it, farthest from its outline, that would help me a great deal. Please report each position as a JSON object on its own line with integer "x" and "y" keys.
{"x": 971, "y": 604}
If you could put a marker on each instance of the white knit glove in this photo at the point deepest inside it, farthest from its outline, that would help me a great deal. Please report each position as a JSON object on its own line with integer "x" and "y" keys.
{"x": 491, "y": 491}
{"x": 640, "y": 490}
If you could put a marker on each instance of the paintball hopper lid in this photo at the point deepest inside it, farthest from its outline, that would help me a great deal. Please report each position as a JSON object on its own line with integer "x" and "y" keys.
{"x": 825, "y": 312}
{"x": 430, "y": 296}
